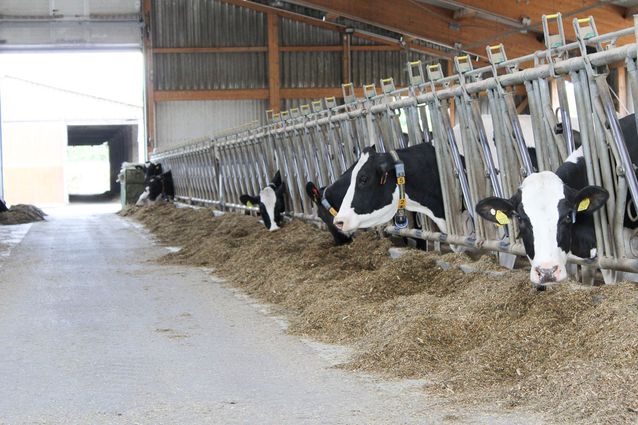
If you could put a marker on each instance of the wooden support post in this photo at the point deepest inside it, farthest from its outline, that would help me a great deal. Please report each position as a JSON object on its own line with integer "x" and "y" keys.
{"x": 622, "y": 90}
{"x": 148, "y": 79}
{"x": 450, "y": 71}
{"x": 346, "y": 71}
{"x": 274, "y": 77}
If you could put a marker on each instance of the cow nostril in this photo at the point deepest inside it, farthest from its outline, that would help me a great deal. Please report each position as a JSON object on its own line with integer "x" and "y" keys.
{"x": 339, "y": 224}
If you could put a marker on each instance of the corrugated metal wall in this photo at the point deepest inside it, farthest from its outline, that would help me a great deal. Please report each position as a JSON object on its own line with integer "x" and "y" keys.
{"x": 211, "y": 23}
{"x": 181, "y": 121}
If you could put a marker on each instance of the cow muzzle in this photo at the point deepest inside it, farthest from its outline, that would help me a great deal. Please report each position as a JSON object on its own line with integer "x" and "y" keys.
{"x": 546, "y": 273}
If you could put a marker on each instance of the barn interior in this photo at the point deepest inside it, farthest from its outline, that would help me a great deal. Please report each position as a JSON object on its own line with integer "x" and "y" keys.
{"x": 127, "y": 297}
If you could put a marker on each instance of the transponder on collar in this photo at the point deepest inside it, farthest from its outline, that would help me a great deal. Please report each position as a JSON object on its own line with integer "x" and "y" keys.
{"x": 400, "y": 218}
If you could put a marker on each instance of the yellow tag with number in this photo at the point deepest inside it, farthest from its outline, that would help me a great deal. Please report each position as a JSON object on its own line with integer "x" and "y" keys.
{"x": 402, "y": 203}
{"x": 249, "y": 204}
{"x": 333, "y": 212}
{"x": 584, "y": 204}
{"x": 401, "y": 180}
{"x": 501, "y": 218}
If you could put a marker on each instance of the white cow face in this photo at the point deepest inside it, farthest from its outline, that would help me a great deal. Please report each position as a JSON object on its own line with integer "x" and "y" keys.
{"x": 545, "y": 209}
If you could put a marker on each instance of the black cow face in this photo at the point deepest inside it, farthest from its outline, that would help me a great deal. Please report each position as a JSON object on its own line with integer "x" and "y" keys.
{"x": 549, "y": 215}
{"x": 333, "y": 196}
{"x": 270, "y": 201}
{"x": 370, "y": 195}
{"x": 151, "y": 170}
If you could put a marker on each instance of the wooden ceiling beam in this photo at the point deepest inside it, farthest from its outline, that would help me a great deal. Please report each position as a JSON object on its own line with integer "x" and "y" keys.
{"x": 608, "y": 17}
{"x": 430, "y": 23}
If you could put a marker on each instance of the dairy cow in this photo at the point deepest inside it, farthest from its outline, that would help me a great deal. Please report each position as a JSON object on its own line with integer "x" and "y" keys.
{"x": 373, "y": 193}
{"x": 554, "y": 212}
{"x": 270, "y": 201}
{"x": 157, "y": 187}
{"x": 328, "y": 201}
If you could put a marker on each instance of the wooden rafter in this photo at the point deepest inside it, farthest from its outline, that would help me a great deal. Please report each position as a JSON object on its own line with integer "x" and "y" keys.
{"x": 429, "y": 22}
{"x": 335, "y": 27}
{"x": 608, "y": 17}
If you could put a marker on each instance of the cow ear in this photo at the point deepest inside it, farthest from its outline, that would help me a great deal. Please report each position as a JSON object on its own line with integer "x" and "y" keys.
{"x": 248, "y": 200}
{"x": 495, "y": 209}
{"x": 590, "y": 199}
{"x": 276, "y": 180}
{"x": 382, "y": 170}
{"x": 279, "y": 189}
{"x": 313, "y": 191}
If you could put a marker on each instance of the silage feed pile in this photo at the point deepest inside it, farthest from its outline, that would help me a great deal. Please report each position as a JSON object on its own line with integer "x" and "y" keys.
{"x": 570, "y": 352}
{"x": 21, "y": 213}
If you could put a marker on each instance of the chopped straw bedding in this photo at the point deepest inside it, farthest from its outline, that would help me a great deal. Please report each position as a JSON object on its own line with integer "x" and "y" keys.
{"x": 570, "y": 353}
{"x": 21, "y": 213}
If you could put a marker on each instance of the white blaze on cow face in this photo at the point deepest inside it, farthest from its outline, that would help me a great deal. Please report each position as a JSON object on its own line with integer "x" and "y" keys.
{"x": 347, "y": 220}
{"x": 268, "y": 197}
{"x": 540, "y": 195}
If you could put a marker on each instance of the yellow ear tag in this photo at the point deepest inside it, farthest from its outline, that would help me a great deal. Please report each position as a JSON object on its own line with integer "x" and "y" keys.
{"x": 584, "y": 204}
{"x": 501, "y": 218}
{"x": 249, "y": 204}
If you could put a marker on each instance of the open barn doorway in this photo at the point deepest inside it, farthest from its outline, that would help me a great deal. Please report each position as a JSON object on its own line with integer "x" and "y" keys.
{"x": 94, "y": 156}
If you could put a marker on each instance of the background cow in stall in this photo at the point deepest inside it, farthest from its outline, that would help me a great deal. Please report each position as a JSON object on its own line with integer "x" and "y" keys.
{"x": 554, "y": 212}
{"x": 159, "y": 185}
{"x": 270, "y": 201}
{"x": 336, "y": 192}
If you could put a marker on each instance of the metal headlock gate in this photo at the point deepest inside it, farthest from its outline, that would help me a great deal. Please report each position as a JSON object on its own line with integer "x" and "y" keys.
{"x": 318, "y": 142}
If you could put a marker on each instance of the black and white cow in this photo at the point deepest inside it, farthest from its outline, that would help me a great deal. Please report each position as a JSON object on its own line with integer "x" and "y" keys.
{"x": 158, "y": 187}
{"x": 554, "y": 212}
{"x": 271, "y": 203}
{"x": 151, "y": 170}
{"x": 372, "y": 193}
{"x": 333, "y": 194}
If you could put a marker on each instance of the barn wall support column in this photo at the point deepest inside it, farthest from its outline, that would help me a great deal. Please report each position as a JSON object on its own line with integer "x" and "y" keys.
{"x": 148, "y": 78}
{"x": 274, "y": 77}
{"x": 346, "y": 67}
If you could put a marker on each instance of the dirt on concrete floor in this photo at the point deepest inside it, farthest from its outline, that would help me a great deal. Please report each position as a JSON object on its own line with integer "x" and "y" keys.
{"x": 570, "y": 352}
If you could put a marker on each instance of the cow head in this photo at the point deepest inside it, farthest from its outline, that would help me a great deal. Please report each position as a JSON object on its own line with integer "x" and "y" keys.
{"x": 545, "y": 209}
{"x": 334, "y": 196}
{"x": 270, "y": 201}
{"x": 371, "y": 196}
{"x": 151, "y": 170}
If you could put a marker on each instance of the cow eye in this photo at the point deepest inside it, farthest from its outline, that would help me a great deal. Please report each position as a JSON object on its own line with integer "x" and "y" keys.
{"x": 567, "y": 219}
{"x": 363, "y": 179}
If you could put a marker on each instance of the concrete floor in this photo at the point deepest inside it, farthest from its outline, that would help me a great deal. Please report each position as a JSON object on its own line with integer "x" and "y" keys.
{"x": 93, "y": 332}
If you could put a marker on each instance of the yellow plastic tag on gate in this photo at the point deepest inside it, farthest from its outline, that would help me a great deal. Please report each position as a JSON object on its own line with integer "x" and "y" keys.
{"x": 583, "y": 205}
{"x": 402, "y": 203}
{"x": 401, "y": 180}
{"x": 249, "y": 204}
{"x": 501, "y": 218}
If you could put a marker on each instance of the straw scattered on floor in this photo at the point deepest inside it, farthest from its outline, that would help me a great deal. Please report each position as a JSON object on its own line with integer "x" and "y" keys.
{"x": 570, "y": 352}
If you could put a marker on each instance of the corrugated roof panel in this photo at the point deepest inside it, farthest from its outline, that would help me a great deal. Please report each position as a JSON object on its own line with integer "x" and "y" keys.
{"x": 204, "y": 23}
{"x": 178, "y": 122}
{"x": 209, "y": 71}
{"x": 310, "y": 69}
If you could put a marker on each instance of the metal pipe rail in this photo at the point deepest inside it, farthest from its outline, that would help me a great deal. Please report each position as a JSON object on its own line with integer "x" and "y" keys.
{"x": 318, "y": 142}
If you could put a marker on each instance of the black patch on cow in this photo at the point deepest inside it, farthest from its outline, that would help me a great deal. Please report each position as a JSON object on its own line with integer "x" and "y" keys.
{"x": 3, "y": 206}
{"x": 376, "y": 180}
{"x": 316, "y": 195}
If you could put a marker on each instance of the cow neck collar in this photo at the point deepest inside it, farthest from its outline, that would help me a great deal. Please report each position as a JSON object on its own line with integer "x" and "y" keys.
{"x": 329, "y": 207}
{"x": 400, "y": 218}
